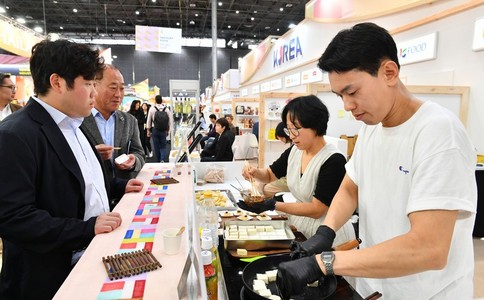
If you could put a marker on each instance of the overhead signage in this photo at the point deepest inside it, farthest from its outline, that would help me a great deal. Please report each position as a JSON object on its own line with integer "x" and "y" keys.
{"x": 416, "y": 50}
{"x": 16, "y": 40}
{"x": 276, "y": 84}
{"x": 311, "y": 75}
{"x": 158, "y": 39}
{"x": 244, "y": 92}
{"x": 287, "y": 52}
{"x": 265, "y": 87}
{"x": 22, "y": 70}
{"x": 292, "y": 80}
{"x": 255, "y": 89}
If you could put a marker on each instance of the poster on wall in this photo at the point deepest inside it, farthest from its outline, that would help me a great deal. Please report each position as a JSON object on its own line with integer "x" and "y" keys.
{"x": 158, "y": 39}
{"x": 478, "y": 41}
{"x": 255, "y": 89}
{"x": 276, "y": 84}
{"x": 265, "y": 87}
{"x": 244, "y": 92}
{"x": 311, "y": 75}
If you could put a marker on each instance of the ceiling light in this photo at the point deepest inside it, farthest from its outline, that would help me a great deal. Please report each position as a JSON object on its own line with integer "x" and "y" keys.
{"x": 196, "y": 15}
{"x": 255, "y": 35}
{"x": 115, "y": 56}
{"x": 177, "y": 23}
{"x": 267, "y": 27}
{"x": 229, "y": 43}
{"x": 281, "y": 9}
{"x": 21, "y": 20}
{"x": 2, "y": 10}
{"x": 289, "y": 5}
{"x": 61, "y": 28}
{"x": 220, "y": 4}
{"x": 277, "y": 29}
{"x": 137, "y": 12}
{"x": 74, "y": 10}
{"x": 229, "y": 26}
{"x": 38, "y": 29}
{"x": 236, "y": 11}
{"x": 153, "y": 1}
{"x": 252, "y": 19}
{"x": 193, "y": 5}
{"x": 192, "y": 22}
{"x": 55, "y": 1}
{"x": 255, "y": 11}
{"x": 292, "y": 25}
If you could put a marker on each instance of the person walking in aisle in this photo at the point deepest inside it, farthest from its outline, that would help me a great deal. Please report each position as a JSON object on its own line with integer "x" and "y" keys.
{"x": 136, "y": 111}
{"x": 54, "y": 195}
{"x": 7, "y": 94}
{"x": 147, "y": 145}
{"x": 160, "y": 134}
{"x": 411, "y": 176}
{"x": 114, "y": 132}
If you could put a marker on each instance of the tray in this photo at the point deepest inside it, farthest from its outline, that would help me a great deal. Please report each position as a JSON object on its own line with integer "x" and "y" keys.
{"x": 261, "y": 243}
{"x": 230, "y": 204}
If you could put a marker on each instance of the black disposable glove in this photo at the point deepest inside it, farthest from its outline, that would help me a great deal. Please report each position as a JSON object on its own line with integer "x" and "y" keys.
{"x": 278, "y": 198}
{"x": 293, "y": 276}
{"x": 267, "y": 204}
{"x": 321, "y": 241}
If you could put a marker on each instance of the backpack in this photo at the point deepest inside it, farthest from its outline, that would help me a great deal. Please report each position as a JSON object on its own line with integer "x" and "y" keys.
{"x": 161, "y": 119}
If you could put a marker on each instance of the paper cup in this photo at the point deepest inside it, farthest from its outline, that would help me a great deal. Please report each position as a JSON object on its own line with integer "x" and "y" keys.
{"x": 171, "y": 242}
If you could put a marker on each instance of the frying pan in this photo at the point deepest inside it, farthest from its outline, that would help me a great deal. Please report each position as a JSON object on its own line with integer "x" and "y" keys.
{"x": 325, "y": 289}
{"x": 327, "y": 285}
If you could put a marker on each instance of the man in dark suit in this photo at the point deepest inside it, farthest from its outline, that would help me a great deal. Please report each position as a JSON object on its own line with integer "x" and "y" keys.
{"x": 7, "y": 94}
{"x": 54, "y": 194}
{"x": 114, "y": 132}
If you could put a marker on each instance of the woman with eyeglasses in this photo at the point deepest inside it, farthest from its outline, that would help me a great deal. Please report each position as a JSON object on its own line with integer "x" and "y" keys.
{"x": 314, "y": 169}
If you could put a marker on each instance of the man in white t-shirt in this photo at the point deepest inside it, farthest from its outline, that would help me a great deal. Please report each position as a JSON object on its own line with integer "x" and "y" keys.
{"x": 411, "y": 177}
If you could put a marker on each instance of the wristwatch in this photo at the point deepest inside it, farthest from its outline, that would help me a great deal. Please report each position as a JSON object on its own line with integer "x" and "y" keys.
{"x": 328, "y": 259}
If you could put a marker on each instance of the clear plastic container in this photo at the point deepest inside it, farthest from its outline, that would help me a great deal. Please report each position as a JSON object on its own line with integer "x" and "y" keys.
{"x": 208, "y": 218}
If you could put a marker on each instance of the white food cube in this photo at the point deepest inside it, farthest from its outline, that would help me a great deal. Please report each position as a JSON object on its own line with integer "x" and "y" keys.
{"x": 271, "y": 275}
{"x": 265, "y": 293}
{"x": 251, "y": 231}
{"x": 263, "y": 277}
{"x": 233, "y": 227}
{"x": 259, "y": 228}
{"x": 259, "y": 285}
{"x": 268, "y": 228}
{"x": 242, "y": 252}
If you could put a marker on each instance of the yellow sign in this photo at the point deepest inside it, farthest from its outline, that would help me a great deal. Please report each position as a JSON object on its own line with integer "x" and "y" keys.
{"x": 16, "y": 40}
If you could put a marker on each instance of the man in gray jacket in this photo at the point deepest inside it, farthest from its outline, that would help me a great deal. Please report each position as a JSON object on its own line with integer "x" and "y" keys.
{"x": 115, "y": 133}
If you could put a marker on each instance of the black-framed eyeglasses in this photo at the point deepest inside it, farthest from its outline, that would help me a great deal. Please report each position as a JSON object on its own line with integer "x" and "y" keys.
{"x": 294, "y": 131}
{"x": 12, "y": 87}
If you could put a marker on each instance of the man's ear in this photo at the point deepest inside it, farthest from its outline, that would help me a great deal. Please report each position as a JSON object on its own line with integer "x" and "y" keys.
{"x": 57, "y": 83}
{"x": 390, "y": 72}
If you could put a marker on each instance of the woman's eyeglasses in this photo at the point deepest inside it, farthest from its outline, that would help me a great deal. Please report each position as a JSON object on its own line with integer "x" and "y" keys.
{"x": 12, "y": 87}
{"x": 294, "y": 131}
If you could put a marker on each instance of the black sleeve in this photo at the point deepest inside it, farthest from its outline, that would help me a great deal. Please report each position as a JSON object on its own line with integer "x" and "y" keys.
{"x": 223, "y": 150}
{"x": 279, "y": 166}
{"x": 329, "y": 179}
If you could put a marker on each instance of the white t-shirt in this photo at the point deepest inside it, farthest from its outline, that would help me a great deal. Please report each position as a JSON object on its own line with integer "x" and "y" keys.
{"x": 426, "y": 163}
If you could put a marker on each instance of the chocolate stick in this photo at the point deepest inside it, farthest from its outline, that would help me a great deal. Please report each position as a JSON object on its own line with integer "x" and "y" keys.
{"x": 141, "y": 259}
{"x": 127, "y": 271}
{"x": 120, "y": 264}
{"x": 154, "y": 258}
{"x": 119, "y": 272}
{"x": 114, "y": 270}
{"x": 153, "y": 263}
{"x": 132, "y": 268}
{"x": 105, "y": 262}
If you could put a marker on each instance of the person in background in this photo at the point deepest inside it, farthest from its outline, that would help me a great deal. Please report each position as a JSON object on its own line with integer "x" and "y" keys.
{"x": 136, "y": 111}
{"x": 411, "y": 176}
{"x": 159, "y": 136}
{"x": 313, "y": 168}
{"x": 255, "y": 130}
{"x": 146, "y": 108}
{"x": 54, "y": 195}
{"x": 211, "y": 130}
{"x": 230, "y": 119}
{"x": 7, "y": 94}
{"x": 270, "y": 189}
{"x": 114, "y": 132}
{"x": 203, "y": 122}
{"x": 223, "y": 147}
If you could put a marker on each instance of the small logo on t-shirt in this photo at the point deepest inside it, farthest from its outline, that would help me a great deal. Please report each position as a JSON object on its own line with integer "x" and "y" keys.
{"x": 403, "y": 170}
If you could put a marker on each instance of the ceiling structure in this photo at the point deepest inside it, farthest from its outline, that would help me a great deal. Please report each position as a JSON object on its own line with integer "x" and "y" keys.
{"x": 248, "y": 21}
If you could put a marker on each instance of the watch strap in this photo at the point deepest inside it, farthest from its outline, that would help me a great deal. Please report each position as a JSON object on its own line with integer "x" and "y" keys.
{"x": 328, "y": 258}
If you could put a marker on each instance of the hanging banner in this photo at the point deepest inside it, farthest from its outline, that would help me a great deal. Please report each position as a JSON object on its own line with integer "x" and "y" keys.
{"x": 158, "y": 39}
{"x": 16, "y": 40}
{"x": 417, "y": 50}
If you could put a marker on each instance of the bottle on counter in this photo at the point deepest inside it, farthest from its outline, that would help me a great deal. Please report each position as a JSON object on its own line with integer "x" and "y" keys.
{"x": 210, "y": 273}
{"x": 208, "y": 217}
{"x": 207, "y": 245}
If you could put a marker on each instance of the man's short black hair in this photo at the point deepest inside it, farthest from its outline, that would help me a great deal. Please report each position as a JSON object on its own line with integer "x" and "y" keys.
{"x": 3, "y": 76}
{"x": 213, "y": 117}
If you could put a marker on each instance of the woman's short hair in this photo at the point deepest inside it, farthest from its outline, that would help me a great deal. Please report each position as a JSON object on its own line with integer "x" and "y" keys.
{"x": 280, "y": 133}
{"x": 224, "y": 123}
{"x": 309, "y": 112}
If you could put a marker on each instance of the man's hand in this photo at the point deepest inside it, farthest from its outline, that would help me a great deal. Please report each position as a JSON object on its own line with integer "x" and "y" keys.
{"x": 293, "y": 276}
{"x": 105, "y": 151}
{"x": 129, "y": 164}
{"x": 107, "y": 222}
{"x": 133, "y": 186}
{"x": 148, "y": 132}
{"x": 267, "y": 204}
{"x": 321, "y": 241}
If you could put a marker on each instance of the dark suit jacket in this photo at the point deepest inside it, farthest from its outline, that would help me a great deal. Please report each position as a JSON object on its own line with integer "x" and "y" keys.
{"x": 41, "y": 205}
{"x": 125, "y": 133}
